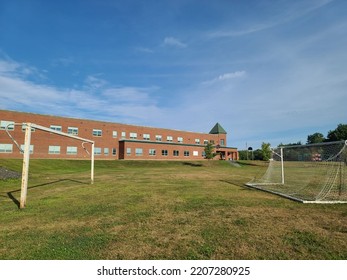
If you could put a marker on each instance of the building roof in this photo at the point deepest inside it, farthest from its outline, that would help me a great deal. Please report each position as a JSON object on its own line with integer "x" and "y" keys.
{"x": 218, "y": 129}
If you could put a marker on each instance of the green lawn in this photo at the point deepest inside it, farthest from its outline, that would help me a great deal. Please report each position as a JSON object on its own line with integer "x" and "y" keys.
{"x": 160, "y": 210}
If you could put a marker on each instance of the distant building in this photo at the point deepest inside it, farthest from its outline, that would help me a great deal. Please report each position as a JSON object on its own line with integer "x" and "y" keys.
{"x": 112, "y": 140}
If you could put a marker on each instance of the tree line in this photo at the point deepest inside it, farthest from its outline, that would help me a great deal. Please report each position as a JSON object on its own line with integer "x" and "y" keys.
{"x": 338, "y": 134}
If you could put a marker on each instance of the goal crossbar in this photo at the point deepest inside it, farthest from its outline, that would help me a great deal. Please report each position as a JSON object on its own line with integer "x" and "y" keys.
{"x": 26, "y": 155}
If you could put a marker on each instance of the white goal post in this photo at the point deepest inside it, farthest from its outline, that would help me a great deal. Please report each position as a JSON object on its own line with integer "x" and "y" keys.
{"x": 26, "y": 154}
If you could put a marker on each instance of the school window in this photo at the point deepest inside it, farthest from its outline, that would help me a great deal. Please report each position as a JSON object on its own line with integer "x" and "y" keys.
{"x": 97, "y": 132}
{"x": 203, "y": 154}
{"x": 128, "y": 151}
{"x": 164, "y": 153}
{"x": 54, "y": 150}
{"x": 56, "y": 127}
{"x": 146, "y": 137}
{"x": 133, "y": 135}
{"x": 169, "y": 138}
{"x": 124, "y": 135}
{"x": 24, "y": 126}
{"x": 158, "y": 138}
{"x": 176, "y": 153}
{"x": 6, "y": 124}
{"x": 138, "y": 151}
{"x": 71, "y": 150}
{"x": 222, "y": 142}
{"x": 205, "y": 142}
{"x": 106, "y": 151}
{"x": 151, "y": 152}
{"x": 186, "y": 153}
{"x": 114, "y": 151}
{"x": 114, "y": 134}
{"x": 72, "y": 130}
{"x": 212, "y": 141}
{"x": 97, "y": 151}
{"x": 197, "y": 141}
{"x": 6, "y": 148}
{"x": 31, "y": 149}
{"x": 195, "y": 153}
{"x": 180, "y": 139}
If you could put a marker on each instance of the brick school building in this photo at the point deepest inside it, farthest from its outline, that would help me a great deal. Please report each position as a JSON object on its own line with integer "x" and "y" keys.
{"x": 112, "y": 140}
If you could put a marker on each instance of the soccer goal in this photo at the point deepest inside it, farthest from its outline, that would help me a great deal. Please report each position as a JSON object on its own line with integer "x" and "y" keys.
{"x": 29, "y": 127}
{"x": 315, "y": 173}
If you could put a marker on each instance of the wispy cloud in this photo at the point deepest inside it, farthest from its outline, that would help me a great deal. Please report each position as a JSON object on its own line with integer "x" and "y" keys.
{"x": 144, "y": 50}
{"x": 226, "y": 76}
{"x": 93, "y": 82}
{"x": 95, "y": 98}
{"x": 292, "y": 12}
{"x": 173, "y": 42}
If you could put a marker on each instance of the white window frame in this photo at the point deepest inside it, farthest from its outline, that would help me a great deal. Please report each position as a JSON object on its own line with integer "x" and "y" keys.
{"x": 6, "y": 148}
{"x": 133, "y": 135}
{"x": 72, "y": 130}
{"x": 71, "y": 150}
{"x": 56, "y": 127}
{"x": 31, "y": 148}
{"x": 97, "y": 132}
{"x": 54, "y": 150}
{"x": 139, "y": 152}
{"x": 7, "y": 124}
{"x": 97, "y": 151}
{"x": 146, "y": 136}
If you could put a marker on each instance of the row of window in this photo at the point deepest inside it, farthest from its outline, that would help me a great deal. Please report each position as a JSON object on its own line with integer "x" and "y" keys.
{"x": 10, "y": 125}
{"x": 153, "y": 152}
{"x": 71, "y": 150}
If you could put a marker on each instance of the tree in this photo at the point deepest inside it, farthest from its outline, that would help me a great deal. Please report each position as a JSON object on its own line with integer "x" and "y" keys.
{"x": 266, "y": 151}
{"x": 315, "y": 138}
{"x": 340, "y": 133}
{"x": 209, "y": 151}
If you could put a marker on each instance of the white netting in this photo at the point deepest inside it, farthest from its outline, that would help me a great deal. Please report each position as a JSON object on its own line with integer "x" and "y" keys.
{"x": 311, "y": 173}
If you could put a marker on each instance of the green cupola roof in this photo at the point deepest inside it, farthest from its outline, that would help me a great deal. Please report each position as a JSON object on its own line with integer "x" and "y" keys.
{"x": 218, "y": 129}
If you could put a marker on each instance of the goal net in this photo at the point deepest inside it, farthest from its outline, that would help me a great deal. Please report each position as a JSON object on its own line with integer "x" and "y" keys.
{"x": 315, "y": 173}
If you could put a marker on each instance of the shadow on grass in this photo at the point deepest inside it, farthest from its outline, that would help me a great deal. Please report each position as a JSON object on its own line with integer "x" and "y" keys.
{"x": 239, "y": 184}
{"x": 16, "y": 201}
{"x": 192, "y": 164}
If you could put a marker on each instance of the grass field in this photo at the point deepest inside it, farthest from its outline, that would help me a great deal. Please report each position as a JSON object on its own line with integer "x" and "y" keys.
{"x": 160, "y": 210}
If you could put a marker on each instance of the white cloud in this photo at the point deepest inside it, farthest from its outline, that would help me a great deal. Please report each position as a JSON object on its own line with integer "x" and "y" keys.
{"x": 96, "y": 98}
{"x": 93, "y": 82}
{"x": 226, "y": 76}
{"x": 173, "y": 42}
{"x": 144, "y": 50}
{"x": 290, "y": 12}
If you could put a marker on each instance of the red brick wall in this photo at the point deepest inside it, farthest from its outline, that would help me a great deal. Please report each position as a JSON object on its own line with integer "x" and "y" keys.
{"x": 42, "y": 140}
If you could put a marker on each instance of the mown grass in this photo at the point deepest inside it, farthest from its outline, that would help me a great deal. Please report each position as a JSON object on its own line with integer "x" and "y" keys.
{"x": 160, "y": 210}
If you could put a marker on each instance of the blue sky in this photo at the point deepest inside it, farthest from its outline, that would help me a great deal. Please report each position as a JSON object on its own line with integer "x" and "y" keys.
{"x": 267, "y": 71}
